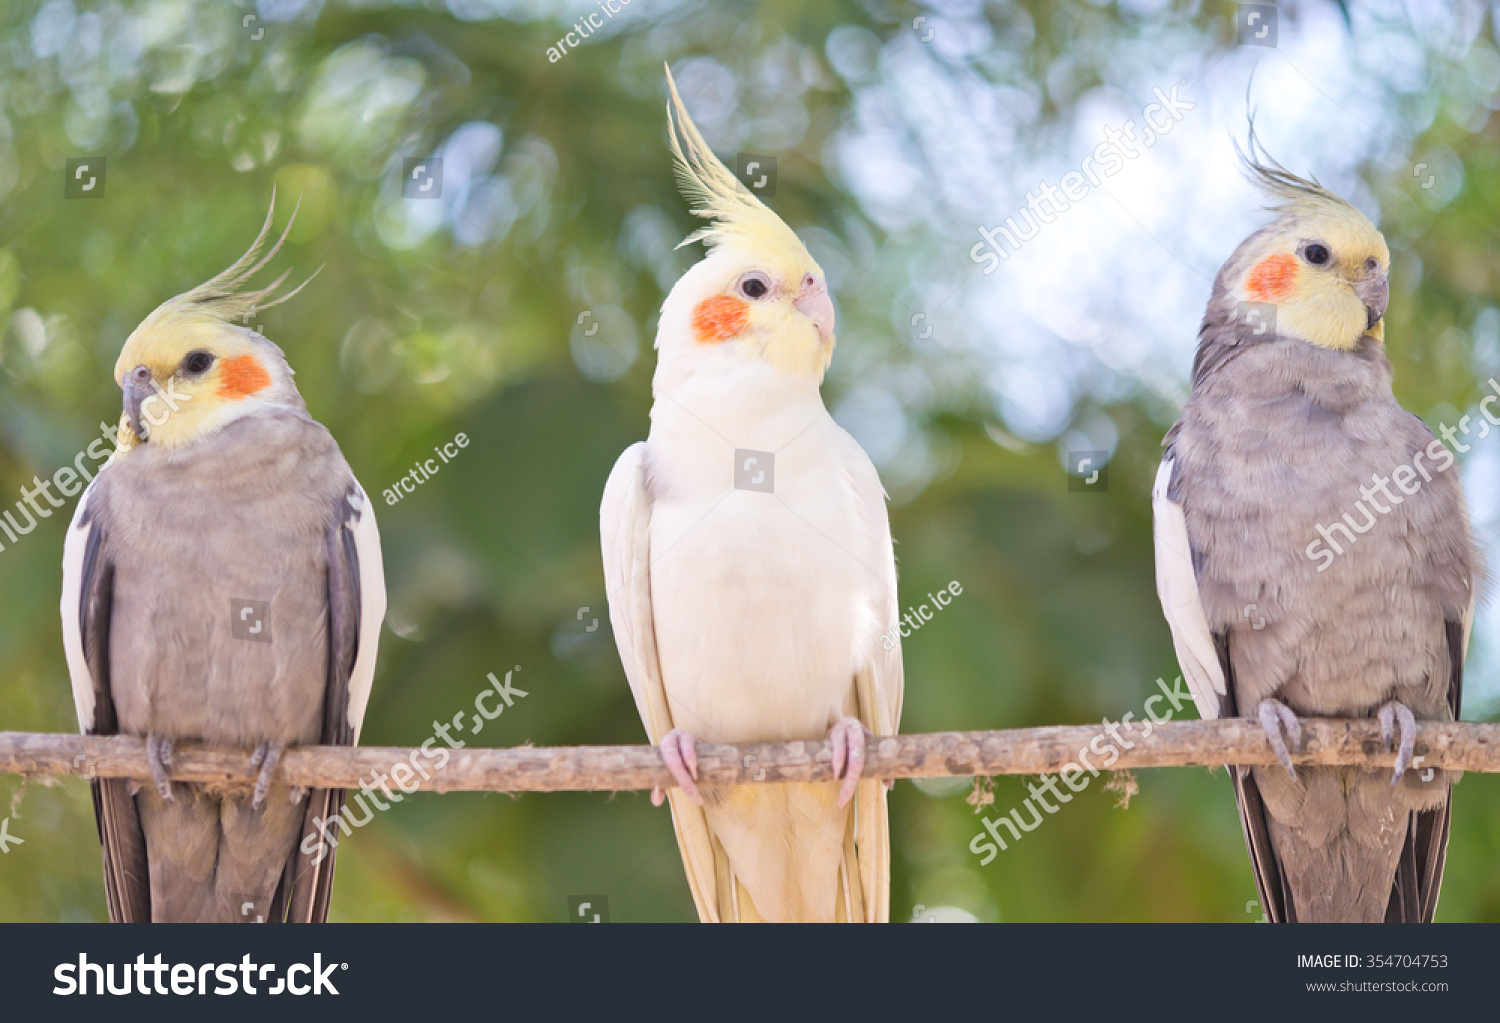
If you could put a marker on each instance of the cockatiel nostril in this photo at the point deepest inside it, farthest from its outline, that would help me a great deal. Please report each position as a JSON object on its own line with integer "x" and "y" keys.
{"x": 1375, "y": 293}
{"x": 814, "y": 303}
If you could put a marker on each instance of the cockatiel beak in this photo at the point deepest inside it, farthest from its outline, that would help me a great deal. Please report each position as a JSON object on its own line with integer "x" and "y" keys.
{"x": 137, "y": 388}
{"x": 1375, "y": 293}
{"x": 813, "y": 301}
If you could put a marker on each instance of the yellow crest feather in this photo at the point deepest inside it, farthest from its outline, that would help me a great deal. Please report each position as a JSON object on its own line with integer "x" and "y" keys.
{"x": 738, "y": 217}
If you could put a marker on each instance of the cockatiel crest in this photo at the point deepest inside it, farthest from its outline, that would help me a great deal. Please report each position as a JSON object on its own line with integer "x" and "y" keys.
{"x": 1321, "y": 263}
{"x": 192, "y": 366}
{"x": 766, "y": 294}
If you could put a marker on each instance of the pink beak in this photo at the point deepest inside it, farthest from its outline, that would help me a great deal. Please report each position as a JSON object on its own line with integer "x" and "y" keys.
{"x": 813, "y": 302}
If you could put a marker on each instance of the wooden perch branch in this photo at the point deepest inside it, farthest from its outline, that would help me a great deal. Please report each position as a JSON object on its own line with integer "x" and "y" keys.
{"x": 1458, "y": 747}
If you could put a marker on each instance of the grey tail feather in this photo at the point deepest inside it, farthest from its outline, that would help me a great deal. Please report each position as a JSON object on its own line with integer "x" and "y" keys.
{"x": 311, "y": 884}
{"x": 127, "y": 874}
{"x": 1275, "y": 898}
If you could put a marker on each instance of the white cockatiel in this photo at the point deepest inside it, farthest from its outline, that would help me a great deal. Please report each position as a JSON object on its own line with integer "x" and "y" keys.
{"x": 750, "y": 570}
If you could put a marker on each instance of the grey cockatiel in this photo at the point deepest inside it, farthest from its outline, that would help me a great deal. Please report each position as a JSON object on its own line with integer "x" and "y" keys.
{"x": 221, "y": 583}
{"x": 1313, "y": 558}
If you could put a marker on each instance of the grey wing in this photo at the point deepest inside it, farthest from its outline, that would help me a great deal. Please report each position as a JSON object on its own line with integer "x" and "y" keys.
{"x": 356, "y": 608}
{"x": 1204, "y": 658}
{"x": 1419, "y": 873}
{"x": 87, "y": 603}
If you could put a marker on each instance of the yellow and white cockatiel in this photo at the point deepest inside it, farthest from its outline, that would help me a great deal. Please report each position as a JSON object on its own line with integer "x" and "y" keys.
{"x": 751, "y": 575}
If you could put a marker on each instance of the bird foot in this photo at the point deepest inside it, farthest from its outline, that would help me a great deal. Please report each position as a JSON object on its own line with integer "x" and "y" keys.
{"x": 159, "y": 759}
{"x": 1391, "y": 713}
{"x": 1275, "y": 716}
{"x": 266, "y": 756}
{"x": 681, "y": 758}
{"x": 848, "y": 738}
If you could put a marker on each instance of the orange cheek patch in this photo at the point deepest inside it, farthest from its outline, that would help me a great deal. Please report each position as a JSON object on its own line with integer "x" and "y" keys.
{"x": 719, "y": 319}
{"x": 1272, "y": 278}
{"x": 241, "y": 376}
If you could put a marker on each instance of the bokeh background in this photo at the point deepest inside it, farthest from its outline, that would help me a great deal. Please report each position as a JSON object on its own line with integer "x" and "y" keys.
{"x": 899, "y": 129}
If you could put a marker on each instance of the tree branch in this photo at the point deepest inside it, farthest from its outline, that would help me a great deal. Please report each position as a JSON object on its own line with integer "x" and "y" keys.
{"x": 1451, "y": 746}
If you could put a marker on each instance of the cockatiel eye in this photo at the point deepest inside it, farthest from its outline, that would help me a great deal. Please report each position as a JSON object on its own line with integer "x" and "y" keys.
{"x": 755, "y": 285}
{"x": 1316, "y": 254}
{"x": 195, "y": 363}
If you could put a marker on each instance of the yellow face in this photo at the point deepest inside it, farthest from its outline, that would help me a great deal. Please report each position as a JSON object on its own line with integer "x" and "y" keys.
{"x": 779, "y": 306}
{"x": 186, "y": 376}
{"x": 1326, "y": 274}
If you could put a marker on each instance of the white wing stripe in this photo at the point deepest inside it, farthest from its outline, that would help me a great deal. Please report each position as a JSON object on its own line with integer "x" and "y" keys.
{"x": 371, "y": 610}
{"x": 1177, "y": 587}
{"x": 75, "y": 547}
